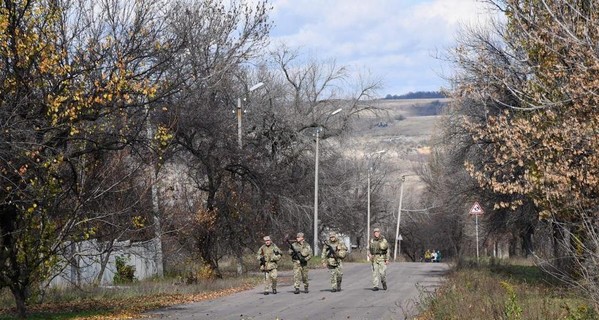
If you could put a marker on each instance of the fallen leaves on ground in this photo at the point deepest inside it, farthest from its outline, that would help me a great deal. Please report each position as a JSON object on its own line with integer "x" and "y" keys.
{"x": 132, "y": 307}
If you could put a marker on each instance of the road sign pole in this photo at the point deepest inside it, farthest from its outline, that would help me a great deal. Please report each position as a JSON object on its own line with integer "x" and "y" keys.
{"x": 476, "y": 219}
{"x": 476, "y": 210}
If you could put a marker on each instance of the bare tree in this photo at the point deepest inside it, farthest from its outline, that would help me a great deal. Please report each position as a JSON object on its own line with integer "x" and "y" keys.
{"x": 219, "y": 39}
{"x": 306, "y": 95}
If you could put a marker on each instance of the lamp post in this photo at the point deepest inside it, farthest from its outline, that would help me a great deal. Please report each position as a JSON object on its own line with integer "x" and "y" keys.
{"x": 368, "y": 200}
{"x": 318, "y": 129}
{"x": 240, "y": 111}
{"x": 397, "y": 236}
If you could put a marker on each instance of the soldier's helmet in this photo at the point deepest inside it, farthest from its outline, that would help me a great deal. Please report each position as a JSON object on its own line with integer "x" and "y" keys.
{"x": 332, "y": 234}
{"x": 376, "y": 230}
{"x": 266, "y": 238}
{"x": 300, "y": 235}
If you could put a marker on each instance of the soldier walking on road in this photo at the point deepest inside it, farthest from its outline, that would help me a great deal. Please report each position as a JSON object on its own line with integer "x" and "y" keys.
{"x": 300, "y": 252}
{"x": 378, "y": 253}
{"x": 268, "y": 255}
{"x": 333, "y": 252}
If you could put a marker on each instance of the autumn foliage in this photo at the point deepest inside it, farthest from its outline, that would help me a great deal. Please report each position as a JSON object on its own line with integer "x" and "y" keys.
{"x": 527, "y": 91}
{"x": 541, "y": 133}
{"x": 75, "y": 85}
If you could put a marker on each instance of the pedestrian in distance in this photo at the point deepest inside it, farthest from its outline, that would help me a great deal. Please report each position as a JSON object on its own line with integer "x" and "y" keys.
{"x": 333, "y": 252}
{"x": 300, "y": 252}
{"x": 268, "y": 255}
{"x": 427, "y": 256}
{"x": 378, "y": 253}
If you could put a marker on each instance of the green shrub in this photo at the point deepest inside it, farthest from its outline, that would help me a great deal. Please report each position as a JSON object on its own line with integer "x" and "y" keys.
{"x": 512, "y": 309}
{"x": 581, "y": 312}
{"x": 124, "y": 273}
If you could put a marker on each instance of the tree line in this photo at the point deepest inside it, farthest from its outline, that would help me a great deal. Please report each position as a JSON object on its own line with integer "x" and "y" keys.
{"x": 417, "y": 95}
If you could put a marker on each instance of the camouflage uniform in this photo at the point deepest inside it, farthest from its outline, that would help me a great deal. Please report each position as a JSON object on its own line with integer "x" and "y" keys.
{"x": 379, "y": 257}
{"x": 300, "y": 263}
{"x": 333, "y": 252}
{"x": 268, "y": 255}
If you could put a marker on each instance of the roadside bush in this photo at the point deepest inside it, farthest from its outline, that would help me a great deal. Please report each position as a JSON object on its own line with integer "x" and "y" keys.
{"x": 124, "y": 273}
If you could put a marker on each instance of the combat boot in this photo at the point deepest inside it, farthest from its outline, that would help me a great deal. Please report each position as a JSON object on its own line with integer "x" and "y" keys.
{"x": 334, "y": 290}
{"x": 265, "y": 293}
{"x": 306, "y": 290}
{"x": 339, "y": 285}
{"x": 274, "y": 291}
{"x": 384, "y": 285}
{"x": 375, "y": 289}
{"x": 296, "y": 291}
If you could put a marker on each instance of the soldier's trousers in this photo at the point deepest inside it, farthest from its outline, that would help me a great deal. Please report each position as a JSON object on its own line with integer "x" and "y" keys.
{"x": 336, "y": 276}
{"x": 300, "y": 275}
{"x": 379, "y": 272}
{"x": 270, "y": 280}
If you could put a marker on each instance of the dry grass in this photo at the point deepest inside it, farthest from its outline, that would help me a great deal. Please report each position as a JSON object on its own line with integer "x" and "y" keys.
{"x": 124, "y": 302}
{"x": 505, "y": 291}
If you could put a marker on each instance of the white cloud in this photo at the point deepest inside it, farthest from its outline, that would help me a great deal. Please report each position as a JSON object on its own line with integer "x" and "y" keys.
{"x": 393, "y": 38}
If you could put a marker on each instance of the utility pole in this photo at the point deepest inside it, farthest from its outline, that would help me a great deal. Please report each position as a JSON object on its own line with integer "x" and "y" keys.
{"x": 316, "y": 196}
{"x": 397, "y": 236}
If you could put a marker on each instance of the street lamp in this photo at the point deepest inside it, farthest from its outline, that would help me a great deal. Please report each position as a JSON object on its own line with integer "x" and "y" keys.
{"x": 368, "y": 197}
{"x": 397, "y": 236}
{"x": 318, "y": 129}
{"x": 239, "y": 112}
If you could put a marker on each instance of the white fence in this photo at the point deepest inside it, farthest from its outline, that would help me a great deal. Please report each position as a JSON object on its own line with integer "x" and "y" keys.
{"x": 81, "y": 265}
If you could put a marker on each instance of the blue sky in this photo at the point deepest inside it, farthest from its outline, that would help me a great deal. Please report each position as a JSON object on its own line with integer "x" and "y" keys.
{"x": 394, "y": 40}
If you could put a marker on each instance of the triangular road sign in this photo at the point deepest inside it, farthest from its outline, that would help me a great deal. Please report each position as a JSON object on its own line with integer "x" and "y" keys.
{"x": 476, "y": 209}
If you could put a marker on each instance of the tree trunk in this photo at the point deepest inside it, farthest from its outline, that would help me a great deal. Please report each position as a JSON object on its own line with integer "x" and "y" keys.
{"x": 562, "y": 247}
{"x": 513, "y": 248}
{"x": 241, "y": 267}
{"x": 19, "y": 292}
{"x": 208, "y": 253}
{"x": 104, "y": 258}
{"x": 527, "y": 241}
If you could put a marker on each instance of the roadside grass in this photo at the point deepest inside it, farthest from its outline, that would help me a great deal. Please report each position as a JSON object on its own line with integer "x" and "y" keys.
{"x": 496, "y": 289}
{"x": 122, "y": 302}
{"x": 125, "y": 301}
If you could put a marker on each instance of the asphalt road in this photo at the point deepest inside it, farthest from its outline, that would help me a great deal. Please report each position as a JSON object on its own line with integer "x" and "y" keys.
{"x": 407, "y": 282}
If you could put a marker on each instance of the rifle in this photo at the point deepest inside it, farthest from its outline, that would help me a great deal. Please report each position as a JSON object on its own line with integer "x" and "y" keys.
{"x": 296, "y": 255}
{"x": 331, "y": 253}
{"x": 263, "y": 263}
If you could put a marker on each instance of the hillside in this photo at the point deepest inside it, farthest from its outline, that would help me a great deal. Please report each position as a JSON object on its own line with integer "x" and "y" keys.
{"x": 402, "y": 127}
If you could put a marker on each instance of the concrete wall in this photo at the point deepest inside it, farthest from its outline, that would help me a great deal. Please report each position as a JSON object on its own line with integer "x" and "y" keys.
{"x": 85, "y": 263}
